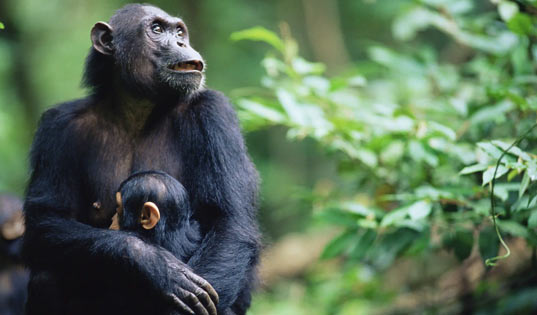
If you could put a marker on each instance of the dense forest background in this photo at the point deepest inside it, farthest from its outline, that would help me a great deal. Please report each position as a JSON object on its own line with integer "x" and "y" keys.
{"x": 376, "y": 127}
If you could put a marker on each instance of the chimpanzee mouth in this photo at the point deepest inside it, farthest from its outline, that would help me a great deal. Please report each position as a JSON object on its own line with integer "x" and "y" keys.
{"x": 187, "y": 66}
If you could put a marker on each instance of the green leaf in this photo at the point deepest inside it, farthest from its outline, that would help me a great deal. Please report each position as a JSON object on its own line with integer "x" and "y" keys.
{"x": 488, "y": 174}
{"x": 520, "y": 24}
{"x": 514, "y": 150}
{"x": 368, "y": 157}
{"x": 1, "y": 26}
{"x": 491, "y": 113}
{"x": 444, "y": 130}
{"x": 488, "y": 243}
{"x": 532, "y": 220}
{"x": 407, "y": 25}
{"x": 304, "y": 67}
{"x": 368, "y": 224}
{"x": 259, "y": 33}
{"x": 473, "y": 169}
{"x": 490, "y": 149}
{"x": 460, "y": 242}
{"x": 262, "y": 111}
{"x": 419, "y": 153}
{"x": 337, "y": 217}
{"x": 502, "y": 190}
{"x": 507, "y": 10}
{"x": 419, "y": 210}
{"x": 514, "y": 228}
{"x": 362, "y": 245}
{"x": 291, "y": 107}
{"x": 532, "y": 170}
{"x": 524, "y": 184}
{"x": 338, "y": 245}
{"x": 394, "y": 216}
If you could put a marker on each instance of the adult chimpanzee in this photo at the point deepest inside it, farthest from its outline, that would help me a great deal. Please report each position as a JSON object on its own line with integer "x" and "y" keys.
{"x": 147, "y": 110}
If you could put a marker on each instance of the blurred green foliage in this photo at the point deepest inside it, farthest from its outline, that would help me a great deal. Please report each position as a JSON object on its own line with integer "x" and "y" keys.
{"x": 395, "y": 146}
{"x": 416, "y": 135}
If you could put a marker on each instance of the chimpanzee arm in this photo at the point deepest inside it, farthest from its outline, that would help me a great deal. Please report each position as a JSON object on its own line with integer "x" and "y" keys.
{"x": 55, "y": 241}
{"x": 222, "y": 184}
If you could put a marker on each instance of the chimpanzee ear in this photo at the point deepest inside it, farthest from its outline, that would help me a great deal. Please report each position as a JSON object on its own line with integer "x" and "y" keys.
{"x": 101, "y": 36}
{"x": 150, "y": 215}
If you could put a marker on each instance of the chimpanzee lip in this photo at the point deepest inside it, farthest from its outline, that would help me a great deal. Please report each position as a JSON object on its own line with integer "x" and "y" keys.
{"x": 187, "y": 66}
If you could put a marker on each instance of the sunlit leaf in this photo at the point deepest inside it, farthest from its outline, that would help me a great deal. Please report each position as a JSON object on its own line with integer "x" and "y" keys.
{"x": 262, "y": 110}
{"x": 291, "y": 106}
{"x": 490, "y": 149}
{"x": 304, "y": 67}
{"x": 368, "y": 157}
{"x": 418, "y": 152}
{"x": 259, "y": 33}
{"x": 357, "y": 208}
{"x": 488, "y": 174}
{"x": 524, "y": 184}
{"x": 507, "y": 10}
{"x": 532, "y": 170}
{"x": 473, "y": 169}
{"x": 419, "y": 210}
{"x": 514, "y": 150}
{"x": 407, "y": 25}
{"x": 393, "y": 216}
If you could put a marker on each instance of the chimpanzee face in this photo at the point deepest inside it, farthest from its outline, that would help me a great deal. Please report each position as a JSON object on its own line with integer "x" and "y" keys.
{"x": 177, "y": 65}
{"x": 151, "y": 52}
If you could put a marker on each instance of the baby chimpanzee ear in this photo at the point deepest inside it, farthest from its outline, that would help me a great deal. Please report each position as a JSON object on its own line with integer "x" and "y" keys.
{"x": 150, "y": 215}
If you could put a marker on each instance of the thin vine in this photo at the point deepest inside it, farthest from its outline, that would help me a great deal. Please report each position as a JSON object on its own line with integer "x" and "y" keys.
{"x": 493, "y": 261}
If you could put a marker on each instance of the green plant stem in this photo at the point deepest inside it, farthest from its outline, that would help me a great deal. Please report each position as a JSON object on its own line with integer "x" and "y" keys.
{"x": 492, "y": 261}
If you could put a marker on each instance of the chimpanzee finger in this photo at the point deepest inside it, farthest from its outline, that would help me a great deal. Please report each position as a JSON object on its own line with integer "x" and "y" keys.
{"x": 179, "y": 305}
{"x": 206, "y": 300}
{"x": 193, "y": 302}
{"x": 205, "y": 285}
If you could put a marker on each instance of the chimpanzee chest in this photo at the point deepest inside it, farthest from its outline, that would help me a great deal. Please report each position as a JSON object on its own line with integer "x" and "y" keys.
{"x": 117, "y": 157}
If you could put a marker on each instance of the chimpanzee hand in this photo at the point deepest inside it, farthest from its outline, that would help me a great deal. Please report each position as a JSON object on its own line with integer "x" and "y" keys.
{"x": 187, "y": 292}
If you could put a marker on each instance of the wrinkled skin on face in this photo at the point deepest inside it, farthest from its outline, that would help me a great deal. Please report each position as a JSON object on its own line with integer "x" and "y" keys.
{"x": 153, "y": 56}
{"x": 177, "y": 65}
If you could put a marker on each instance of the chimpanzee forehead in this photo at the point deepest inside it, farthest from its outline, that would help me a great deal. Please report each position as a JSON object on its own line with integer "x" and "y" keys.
{"x": 157, "y": 12}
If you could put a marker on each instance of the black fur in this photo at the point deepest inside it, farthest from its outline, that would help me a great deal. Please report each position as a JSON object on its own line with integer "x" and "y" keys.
{"x": 176, "y": 231}
{"x": 133, "y": 121}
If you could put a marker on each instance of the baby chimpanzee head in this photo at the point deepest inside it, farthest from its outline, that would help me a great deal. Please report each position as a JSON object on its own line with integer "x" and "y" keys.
{"x": 150, "y": 203}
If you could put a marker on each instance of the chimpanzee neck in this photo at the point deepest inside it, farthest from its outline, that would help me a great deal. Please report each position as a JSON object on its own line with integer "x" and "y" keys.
{"x": 124, "y": 110}
{"x": 132, "y": 110}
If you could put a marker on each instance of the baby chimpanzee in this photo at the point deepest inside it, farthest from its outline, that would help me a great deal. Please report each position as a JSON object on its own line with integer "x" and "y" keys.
{"x": 155, "y": 206}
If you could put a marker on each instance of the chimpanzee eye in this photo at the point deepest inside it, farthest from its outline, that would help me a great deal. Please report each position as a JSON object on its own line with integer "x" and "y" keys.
{"x": 180, "y": 31}
{"x": 157, "y": 28}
